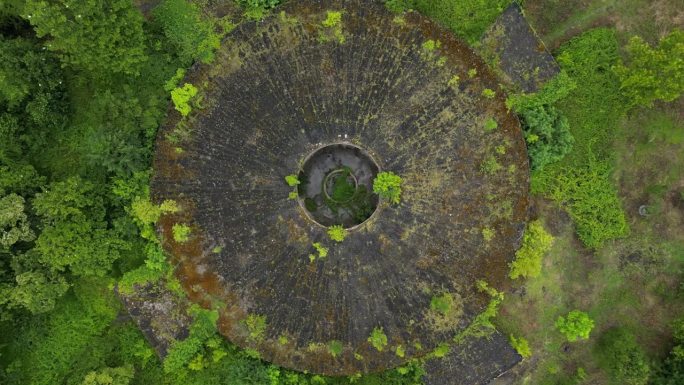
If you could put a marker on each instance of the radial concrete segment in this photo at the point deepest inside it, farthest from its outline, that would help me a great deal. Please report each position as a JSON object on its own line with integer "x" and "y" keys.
{"x": 476, "y": 361}
{"x": 423, "y": 105}
{"x": 512, "y": 46}
{"x": 160, "y": 314}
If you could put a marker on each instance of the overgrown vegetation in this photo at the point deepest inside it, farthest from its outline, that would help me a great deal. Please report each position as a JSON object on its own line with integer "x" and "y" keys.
{"x": 388, "y": 186}
{"x": 468, "y": 19}
{"x": 337, "y": 233}
{"x": 528, "y": 259}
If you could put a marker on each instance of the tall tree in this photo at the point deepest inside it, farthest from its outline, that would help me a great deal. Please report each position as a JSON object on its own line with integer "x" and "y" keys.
{"x": 99, "y": 36}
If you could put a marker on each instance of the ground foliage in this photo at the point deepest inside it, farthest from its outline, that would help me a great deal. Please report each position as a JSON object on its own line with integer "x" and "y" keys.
{"x": 581, "y": 181}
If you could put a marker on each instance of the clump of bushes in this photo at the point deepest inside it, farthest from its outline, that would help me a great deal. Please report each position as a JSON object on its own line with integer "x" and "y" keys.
{"x": 528, "y": 259}
{"x": 575, "y": 326}
{"x": 619, "y": 354}
{"x": 388, "y": 186}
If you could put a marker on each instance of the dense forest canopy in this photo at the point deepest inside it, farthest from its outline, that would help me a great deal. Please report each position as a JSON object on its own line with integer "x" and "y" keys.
{"x": 85, "y": 84}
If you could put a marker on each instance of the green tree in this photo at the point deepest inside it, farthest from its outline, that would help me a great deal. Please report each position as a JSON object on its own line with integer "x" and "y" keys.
{"x": 96, "y": 35}
{"x": 14, "y": 225}
{"x": 75, "y": 234}
{"x": 576, "y": 325}
{"x": 34, "y": 291}
{"x": 652, "y": 74}
{"x": 619, "y": 354}
{"x": 32, "y": 97}
{"x": 547, "y": 135}
{"x": 183, "y": 26}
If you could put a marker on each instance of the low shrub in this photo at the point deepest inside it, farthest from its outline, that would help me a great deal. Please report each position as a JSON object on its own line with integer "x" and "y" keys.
{"x": 576, "y": 325}
{"x": 388, "y": 186}
{"x": 528, "y": 259}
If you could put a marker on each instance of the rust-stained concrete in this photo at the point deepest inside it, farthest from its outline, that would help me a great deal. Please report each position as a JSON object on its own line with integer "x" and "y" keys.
{"x": 280, "y": 89}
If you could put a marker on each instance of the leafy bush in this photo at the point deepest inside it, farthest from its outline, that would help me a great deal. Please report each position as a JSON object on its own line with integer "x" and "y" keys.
{"x": 181, "y": 97}
{"x": 193, "y": 37}
{"x": 528, "y": 259}
{"x": 468, "y": 19}
{"x": 388, "y": 186}
{"x": 619, "y": 354}
{"x": 521, "y": 346}
{"x": 337, "y": 233}
{"x": 292, "y": 180}
{"x": 181, "y": 232}
{"x": 576, "y": 325}
{"x": 653, "y": 73}
{"x": 335, "y": 348}
{"x": 378, "y": 339}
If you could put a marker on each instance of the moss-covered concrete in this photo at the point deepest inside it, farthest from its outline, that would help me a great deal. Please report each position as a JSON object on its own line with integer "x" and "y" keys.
{"x": 512, "y": 47}
{"x": 278, "y": 90}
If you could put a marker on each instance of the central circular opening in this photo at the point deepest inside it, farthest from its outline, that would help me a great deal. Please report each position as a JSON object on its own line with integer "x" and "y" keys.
{"x": 336, "y": 185}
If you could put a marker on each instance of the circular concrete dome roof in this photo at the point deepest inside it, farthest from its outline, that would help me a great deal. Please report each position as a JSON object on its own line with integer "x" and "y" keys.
{"x": 416, "y": 99}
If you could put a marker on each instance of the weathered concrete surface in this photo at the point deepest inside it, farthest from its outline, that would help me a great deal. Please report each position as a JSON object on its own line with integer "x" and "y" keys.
{"x": 474, "y": 362}
{"x": 511, "y": 46}
{"x": 286, "y": 86}
{"x": 160, "y": 314}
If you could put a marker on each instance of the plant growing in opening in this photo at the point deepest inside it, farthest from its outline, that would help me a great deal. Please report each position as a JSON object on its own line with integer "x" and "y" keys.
{"x": 181, "y": 232}
{"x": 337, "y": 233}
{"x": 181, "y": 97}
{"x": 378, "y": 339}
{"x": 292, "y": 180}
{"x": 388, "y": 185}
{"x": 488, "y": 93}
{"x": 520, "y": 345}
